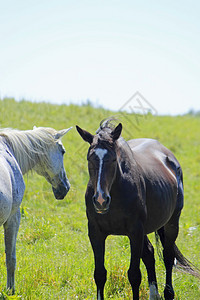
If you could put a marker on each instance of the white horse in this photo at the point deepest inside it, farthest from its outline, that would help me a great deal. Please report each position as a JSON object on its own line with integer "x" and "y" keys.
{"x": 41, "y": 150}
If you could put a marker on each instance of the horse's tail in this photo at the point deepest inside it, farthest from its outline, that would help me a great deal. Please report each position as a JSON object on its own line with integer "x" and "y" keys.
{"x": 184, "y": 265}
{"x": 181, "y": 263}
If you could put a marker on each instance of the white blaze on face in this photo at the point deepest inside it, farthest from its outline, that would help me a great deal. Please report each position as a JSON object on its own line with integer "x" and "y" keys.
{"x": 100, "y": 153}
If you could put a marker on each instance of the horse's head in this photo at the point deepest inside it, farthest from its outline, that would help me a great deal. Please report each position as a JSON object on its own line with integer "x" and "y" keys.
{"x": 52, "y": 167}
{"x": 102, "y": 163}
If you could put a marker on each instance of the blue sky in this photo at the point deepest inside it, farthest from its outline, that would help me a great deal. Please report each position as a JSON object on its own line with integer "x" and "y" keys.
{"x": 105, "y": 51}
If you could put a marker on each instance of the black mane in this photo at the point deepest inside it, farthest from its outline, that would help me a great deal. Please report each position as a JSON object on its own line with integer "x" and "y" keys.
{"x": 106, "y": 123}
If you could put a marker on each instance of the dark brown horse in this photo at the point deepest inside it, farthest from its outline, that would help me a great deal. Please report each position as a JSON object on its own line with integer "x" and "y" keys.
{"x": 135, "y": 188}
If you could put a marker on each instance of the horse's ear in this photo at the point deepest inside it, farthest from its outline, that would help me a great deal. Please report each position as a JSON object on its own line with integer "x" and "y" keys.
{"x": 116, "y": 132}
{"x": 61, "y": 133}
{"x": 86, "y": 136}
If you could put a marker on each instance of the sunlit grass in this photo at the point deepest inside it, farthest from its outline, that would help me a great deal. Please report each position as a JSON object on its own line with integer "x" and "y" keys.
{"x": 54, "y": 256}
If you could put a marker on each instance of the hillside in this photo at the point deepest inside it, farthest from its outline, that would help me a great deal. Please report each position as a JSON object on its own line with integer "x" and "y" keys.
{"x": 54, "y": 256}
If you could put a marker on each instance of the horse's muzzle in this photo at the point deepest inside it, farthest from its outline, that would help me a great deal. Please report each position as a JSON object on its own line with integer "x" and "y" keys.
{"x": 61, "y": 190}
{"x": 101, "y": 202}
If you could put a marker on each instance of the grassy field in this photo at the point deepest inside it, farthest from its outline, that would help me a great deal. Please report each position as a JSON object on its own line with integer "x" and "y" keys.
{"x": 54, "y": 256}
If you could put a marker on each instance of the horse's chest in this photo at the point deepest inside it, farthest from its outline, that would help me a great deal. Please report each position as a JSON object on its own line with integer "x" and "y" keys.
{"x": 114, "y": 224}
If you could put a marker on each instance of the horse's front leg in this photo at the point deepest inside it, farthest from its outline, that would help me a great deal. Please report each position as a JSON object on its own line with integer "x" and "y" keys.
{"x": 97, "y": 241}
{"x": 134, "y": 274}
{"x": 11, "y": 228}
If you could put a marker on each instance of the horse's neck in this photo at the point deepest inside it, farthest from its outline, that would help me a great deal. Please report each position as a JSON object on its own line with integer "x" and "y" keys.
{"x": 25, "y": 159}
{"x": 126, "y": 160}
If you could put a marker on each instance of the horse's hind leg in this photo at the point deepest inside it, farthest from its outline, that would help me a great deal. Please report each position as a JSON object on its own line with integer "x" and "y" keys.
{"x": 11, "y": 228}
{"x": 168, "y": 235}
{"x": 149, "y": 261}
{"x": 171, "y": 233}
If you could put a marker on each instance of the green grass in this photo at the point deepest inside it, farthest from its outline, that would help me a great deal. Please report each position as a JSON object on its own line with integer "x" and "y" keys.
{"x": 54, "y": 256}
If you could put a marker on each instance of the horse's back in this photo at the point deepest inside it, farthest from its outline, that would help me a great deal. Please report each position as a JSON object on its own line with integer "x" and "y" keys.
{"x": 11, "y": 185}
{"x": 160, "y": 170}
{"x": 151, "y": 154}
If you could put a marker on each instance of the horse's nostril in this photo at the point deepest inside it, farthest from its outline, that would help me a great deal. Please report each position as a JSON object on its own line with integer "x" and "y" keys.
{"x": 94, "y": 198}
{"x": 107, "y": 199}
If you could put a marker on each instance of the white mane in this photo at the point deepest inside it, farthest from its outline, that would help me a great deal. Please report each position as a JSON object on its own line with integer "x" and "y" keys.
{"x": 30, "y": 146}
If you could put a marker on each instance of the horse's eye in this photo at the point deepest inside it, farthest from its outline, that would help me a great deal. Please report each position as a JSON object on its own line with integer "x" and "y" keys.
{"x": 92, "y": 158}
{"x": 61, "y": 147}
{"x": 92, "y": 161}
{"x": 62, "y": 150}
